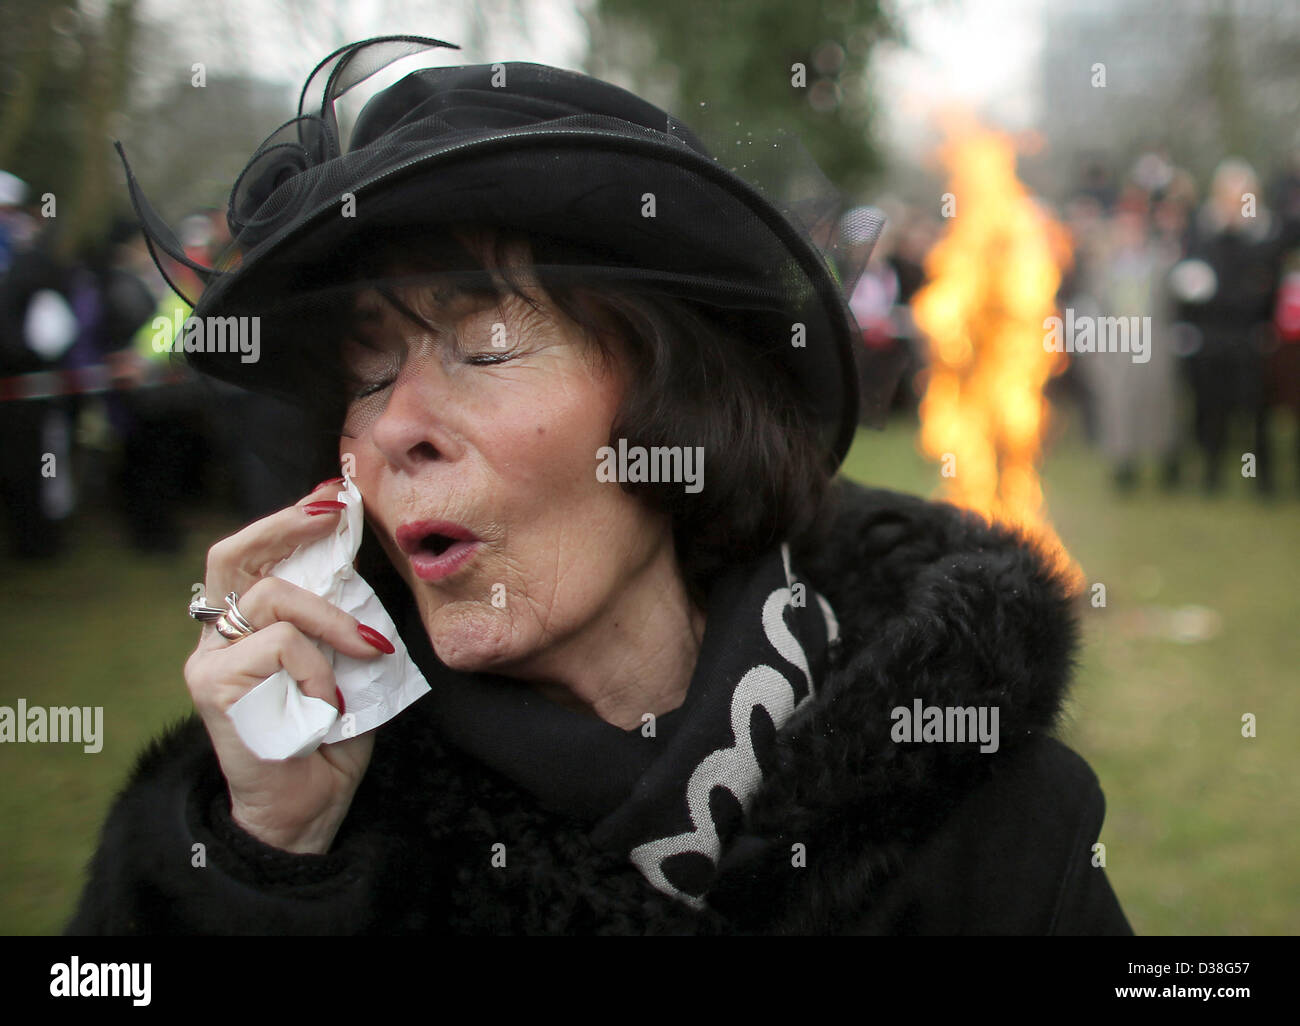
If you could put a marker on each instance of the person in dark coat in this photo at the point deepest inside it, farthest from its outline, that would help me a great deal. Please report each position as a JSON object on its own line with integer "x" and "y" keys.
{"x": 1240, "y": 243}
{"x": 747, "y": 698}
{"x": 38, "y": 326}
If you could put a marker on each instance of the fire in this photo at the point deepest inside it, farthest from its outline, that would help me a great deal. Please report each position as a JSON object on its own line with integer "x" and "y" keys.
{"x": 991, "y": 283}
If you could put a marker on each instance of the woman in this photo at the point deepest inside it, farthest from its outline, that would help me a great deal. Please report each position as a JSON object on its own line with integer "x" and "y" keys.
{"x": 660, "y": 702}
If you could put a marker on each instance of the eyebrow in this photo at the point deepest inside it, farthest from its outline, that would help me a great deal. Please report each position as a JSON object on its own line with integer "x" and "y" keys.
{"x": 455, "y": 301}
{"x": 441, "y": 300}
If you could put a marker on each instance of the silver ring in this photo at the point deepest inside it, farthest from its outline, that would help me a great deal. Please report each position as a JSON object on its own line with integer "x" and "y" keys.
{"x": 235, "y": 618}
{"x": 201, "y": 611}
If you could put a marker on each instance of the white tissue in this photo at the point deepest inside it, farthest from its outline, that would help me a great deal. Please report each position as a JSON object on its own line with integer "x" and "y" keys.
{"x": 276, "y": 720}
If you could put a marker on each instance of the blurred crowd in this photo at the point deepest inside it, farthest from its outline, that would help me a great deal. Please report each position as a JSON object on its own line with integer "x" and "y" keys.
{"x": 1218, "y": 274}
{"x": 95, "y": 411}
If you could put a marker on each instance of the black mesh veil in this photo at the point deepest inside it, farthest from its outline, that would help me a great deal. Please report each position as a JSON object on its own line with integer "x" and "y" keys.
{"x": 607, "y": 192}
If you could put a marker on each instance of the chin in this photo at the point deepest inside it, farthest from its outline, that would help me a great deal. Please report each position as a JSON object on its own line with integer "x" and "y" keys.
{"x": 471, "y": 638}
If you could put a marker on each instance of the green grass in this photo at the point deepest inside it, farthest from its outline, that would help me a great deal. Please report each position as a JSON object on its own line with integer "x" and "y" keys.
{"x": 101, "y": 626}
{"x": 1202, "y": 825}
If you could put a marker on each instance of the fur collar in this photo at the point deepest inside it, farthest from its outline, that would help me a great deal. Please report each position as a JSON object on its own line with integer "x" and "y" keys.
{"x": 934, "y": 604}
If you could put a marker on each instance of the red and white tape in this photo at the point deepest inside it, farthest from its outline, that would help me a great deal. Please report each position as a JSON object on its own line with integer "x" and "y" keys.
{"x": 91, "y": 380}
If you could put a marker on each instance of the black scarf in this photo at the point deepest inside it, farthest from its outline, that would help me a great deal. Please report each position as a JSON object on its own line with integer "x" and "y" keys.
{"x": 670, "y": 794}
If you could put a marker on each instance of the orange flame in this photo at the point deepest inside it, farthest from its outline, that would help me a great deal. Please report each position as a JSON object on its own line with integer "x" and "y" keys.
{"x": 991, "y": 283}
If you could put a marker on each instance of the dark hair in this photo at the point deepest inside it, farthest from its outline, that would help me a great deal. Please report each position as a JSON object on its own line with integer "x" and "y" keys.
{"x": 696, "y": 384}
{"x": 693, "y": 381}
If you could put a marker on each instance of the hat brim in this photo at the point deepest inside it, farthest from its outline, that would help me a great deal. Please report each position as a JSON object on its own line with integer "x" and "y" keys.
{"x": 658, "y": 215}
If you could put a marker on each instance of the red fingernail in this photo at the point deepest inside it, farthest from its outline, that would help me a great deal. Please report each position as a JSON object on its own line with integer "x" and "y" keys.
{"x": 315, "y": 509}
{"x": 375, "y": 638}
{"x": 332, "y": 480}
{"x": 343, "y": 706}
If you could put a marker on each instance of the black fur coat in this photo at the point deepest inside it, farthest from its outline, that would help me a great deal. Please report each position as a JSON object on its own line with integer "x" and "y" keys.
{"x": 897, "y": 838}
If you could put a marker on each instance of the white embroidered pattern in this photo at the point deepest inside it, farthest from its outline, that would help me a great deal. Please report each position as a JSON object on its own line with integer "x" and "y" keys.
{"x": 736, "y": 767}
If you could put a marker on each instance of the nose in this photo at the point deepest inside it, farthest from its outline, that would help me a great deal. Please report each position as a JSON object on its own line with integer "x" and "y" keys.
{"x": 412, "y": 425}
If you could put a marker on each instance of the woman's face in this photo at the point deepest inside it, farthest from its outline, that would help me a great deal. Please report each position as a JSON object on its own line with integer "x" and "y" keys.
{"x": 476, "y": 459}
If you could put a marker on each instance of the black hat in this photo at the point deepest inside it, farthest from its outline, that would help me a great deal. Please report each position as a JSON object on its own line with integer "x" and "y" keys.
{"x": 626, "y": 192}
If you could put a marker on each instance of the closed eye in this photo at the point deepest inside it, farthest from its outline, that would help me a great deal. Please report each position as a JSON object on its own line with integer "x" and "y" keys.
{"x": 372, "y": 388}
{"x": 370, "y": 368}
{"x": 488, "y": 359}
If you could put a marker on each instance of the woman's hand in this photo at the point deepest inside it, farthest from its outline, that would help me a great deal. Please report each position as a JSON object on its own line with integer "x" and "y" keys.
{"x": 297, "y": 804}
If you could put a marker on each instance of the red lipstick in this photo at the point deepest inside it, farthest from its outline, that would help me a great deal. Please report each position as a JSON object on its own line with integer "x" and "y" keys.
{"x": 437, "y": 548}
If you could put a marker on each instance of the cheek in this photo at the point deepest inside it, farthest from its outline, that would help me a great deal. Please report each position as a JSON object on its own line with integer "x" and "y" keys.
{"x": 546, "y": 446}
{"x": 362, "y": 462}
{"x": 570, "y": 538}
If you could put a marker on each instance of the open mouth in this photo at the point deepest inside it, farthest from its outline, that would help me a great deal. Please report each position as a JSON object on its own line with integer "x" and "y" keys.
{"x": 436, "y": 543}
{"x": 436, "y": 548}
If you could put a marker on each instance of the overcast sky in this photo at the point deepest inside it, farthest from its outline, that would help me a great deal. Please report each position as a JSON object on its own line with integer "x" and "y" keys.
{"x": 982, "y": 53}
{"x": 262, "y": 37}
{"x": 979, "y": 53}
